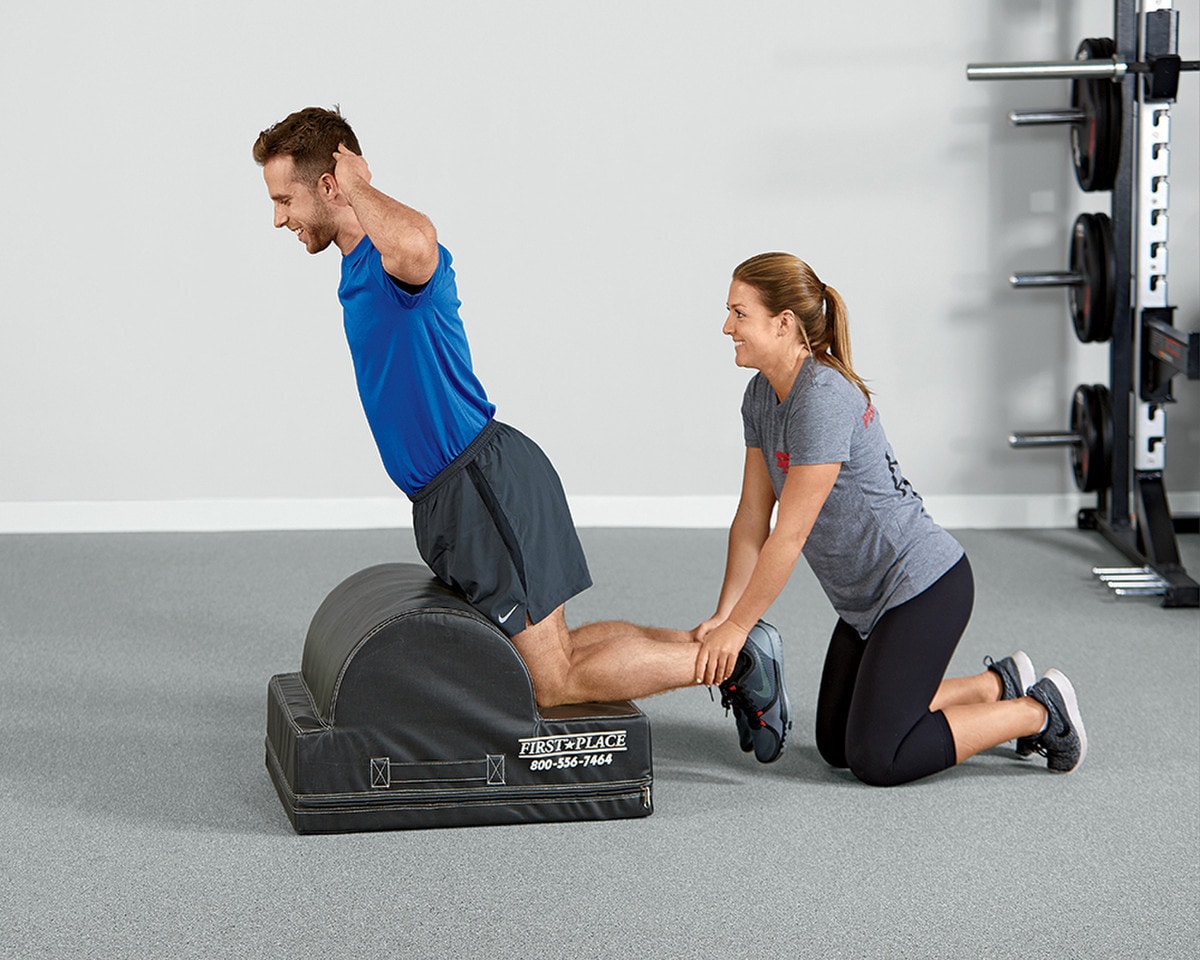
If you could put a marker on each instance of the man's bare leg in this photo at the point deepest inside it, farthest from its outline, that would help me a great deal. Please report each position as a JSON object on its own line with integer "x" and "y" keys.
{"x": 605, "y": 631}
{"x": 612, "y": 661}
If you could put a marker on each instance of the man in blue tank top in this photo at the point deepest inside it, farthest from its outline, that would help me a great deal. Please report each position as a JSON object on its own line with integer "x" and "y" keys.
{"x": 489, "y": 513}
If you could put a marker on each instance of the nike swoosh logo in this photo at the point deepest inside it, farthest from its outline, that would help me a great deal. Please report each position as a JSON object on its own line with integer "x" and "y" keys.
{"x": 766, "y": 676}
{"x": 510, "y": 613}
{"x": 764, "y": 689}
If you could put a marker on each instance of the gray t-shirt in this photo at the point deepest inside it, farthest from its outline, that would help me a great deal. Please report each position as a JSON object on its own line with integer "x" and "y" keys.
{"x": 873, "y": 546}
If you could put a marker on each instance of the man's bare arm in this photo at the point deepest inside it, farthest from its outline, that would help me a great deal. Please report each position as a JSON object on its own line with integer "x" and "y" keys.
{"x": 405, "y": 238}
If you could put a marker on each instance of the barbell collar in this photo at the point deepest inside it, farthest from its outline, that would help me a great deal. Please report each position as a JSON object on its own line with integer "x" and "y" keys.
{"x": 1057, "y": 438}
{"x": 1043, "y": 118}
{"x": 1099, "y": 69}
{"x": 1048, "y": 279}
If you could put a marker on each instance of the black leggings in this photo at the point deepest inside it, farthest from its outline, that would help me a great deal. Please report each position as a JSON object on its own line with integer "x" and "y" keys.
{"x": 873, "y": 711}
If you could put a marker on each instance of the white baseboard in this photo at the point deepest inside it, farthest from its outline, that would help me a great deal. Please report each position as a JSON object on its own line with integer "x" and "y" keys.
{"x": 955, "y": 511}
{"x": 204, "y": 516}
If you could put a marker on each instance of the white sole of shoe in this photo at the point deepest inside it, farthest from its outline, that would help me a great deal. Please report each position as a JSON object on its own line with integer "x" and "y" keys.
{"x": 1027, "y": 677}
{"x": 1071, "y": 702}
{"x": 1025, "y": 671}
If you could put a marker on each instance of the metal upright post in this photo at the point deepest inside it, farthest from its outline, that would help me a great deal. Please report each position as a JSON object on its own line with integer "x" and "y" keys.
{"x": 1114, "y": 507}
{"x": 1155, "y": 525}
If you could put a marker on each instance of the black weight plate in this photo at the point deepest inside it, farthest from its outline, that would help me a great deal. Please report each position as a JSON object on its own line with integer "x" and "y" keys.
{"x": 1096, "y": 141}
{"x": 1093, "y": 257}
{"x": 1102, "y": 411}
{"x": 1080, "y": 454}
{"x": 1091, "y": 458}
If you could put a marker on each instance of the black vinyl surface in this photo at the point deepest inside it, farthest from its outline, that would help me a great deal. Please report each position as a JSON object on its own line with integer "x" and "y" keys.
{"x": 411, "y": 710}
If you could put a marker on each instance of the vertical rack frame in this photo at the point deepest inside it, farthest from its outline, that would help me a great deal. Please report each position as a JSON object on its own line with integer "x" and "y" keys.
{"x": 1134, "y": 514}
{"x": 1144, "y": 348}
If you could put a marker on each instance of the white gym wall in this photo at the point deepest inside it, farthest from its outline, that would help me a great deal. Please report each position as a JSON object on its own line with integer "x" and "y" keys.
{"x": 169, "y": 361}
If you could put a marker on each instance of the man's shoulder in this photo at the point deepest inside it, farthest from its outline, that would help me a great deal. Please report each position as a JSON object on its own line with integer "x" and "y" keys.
{"x": 366, "y": 261}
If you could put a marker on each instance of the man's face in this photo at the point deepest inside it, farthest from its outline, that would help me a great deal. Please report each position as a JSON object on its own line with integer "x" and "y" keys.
{"x": 299, "y": 207}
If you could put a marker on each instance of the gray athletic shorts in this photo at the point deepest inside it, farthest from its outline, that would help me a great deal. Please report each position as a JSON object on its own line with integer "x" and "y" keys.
{"x": 495, "y": 525}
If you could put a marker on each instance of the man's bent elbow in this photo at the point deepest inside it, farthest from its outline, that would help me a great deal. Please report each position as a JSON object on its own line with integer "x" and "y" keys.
{"x": 415, "y": 260}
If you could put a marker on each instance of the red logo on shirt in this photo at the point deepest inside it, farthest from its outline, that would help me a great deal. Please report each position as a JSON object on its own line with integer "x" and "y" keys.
{"x": 782, "y": 461}
{"x": 869, "y": 416}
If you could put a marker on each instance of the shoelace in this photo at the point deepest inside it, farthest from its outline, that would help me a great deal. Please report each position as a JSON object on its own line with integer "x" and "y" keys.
{"x": 726, "y": 699}
{"x": 732, "y": 696}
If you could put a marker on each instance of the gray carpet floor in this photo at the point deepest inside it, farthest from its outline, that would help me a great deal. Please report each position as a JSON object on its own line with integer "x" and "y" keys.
{"x": 137, "y": 819}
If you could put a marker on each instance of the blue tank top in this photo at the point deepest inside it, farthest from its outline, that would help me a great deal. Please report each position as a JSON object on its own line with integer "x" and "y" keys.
{"x": 422, "y": 399}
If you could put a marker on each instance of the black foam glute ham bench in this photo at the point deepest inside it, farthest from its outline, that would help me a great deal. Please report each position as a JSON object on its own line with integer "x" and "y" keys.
{"x": 411, "y": 710}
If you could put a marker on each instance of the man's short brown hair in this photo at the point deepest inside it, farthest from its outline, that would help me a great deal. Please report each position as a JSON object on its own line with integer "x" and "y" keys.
{"x": 310, "y": 137}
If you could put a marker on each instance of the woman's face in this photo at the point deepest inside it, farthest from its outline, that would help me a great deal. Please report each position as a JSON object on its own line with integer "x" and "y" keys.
{"x": 759, "y": 338}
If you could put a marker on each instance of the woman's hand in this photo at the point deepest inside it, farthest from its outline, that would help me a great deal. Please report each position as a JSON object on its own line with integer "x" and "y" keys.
{"x": 718, "y": 651}
{"x": 706, "y": 627}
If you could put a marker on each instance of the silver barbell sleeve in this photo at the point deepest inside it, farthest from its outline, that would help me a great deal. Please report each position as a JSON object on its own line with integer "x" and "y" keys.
{"x": 1041, "y": 118}
{"x": 1057, "y": 438}
{"x": 1113, "y": 69}
{"x": 1047, "y": 279}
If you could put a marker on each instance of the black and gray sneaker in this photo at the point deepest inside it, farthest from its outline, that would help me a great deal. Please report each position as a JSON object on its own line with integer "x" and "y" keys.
{"x": 1017, "y": 674}
{"x": 758, "y": 696}
{"x": 745, "y": 737}
{"x": 1063, "y": 743}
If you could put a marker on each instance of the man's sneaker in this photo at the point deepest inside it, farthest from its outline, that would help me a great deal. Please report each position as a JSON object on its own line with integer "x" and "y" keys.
{"x": 1063, "y": 743}
{"x": 745, "y": 737}
{"x": 1017, "y": 674}
{"x": 757, "y": 694}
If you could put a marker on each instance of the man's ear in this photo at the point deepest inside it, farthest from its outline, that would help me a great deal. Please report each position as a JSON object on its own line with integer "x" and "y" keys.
{"x": 327, "y": 186}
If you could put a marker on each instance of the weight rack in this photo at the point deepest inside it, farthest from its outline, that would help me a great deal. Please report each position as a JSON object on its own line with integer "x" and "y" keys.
{"x": 1145, "y": 350}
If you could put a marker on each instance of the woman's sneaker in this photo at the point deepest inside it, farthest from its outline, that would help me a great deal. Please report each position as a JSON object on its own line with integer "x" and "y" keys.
{"x": 1017, "y": 675}
{"x": 757, "y": 694}
{"x": 1063, "y": 743}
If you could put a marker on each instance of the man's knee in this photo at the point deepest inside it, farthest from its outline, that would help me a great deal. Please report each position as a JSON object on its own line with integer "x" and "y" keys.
{"x": 545, "y": 648}
{"x": 549, "y": 695}
{"x": 550, "y": 680}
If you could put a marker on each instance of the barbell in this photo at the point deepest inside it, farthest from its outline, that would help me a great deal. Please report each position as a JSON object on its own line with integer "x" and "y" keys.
{"x": 1095, "y": 114}
{"x": 1089, "y": 437}
{"x": 1089, "y": 279}
{"x": 1159, "y": 68}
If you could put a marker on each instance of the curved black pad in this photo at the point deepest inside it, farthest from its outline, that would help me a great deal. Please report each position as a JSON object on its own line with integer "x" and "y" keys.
{"x": 413, "y": 710}
{"x": 369, "y": 638}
